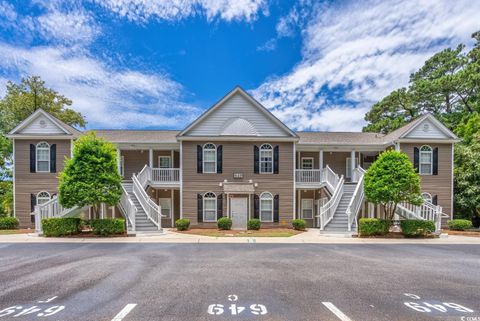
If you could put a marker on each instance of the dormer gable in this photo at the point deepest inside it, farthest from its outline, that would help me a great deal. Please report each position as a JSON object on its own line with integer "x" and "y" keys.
{"x": 237, "y": 114}
{"x": 428, "y": 127}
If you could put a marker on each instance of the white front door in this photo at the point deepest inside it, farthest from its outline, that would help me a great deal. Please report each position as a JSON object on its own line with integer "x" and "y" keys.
{"x": 239, "y": 213}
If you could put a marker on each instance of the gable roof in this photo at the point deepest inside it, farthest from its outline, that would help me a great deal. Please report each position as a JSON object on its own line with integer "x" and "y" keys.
{"x": 62, "y": 129}
{"x": 404, "y": 131}
{"x": 138, "y": 136}
{"x": 238, "y": 91}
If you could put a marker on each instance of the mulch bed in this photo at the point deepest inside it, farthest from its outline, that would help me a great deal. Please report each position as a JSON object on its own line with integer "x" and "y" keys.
{"x": 393, "y": 235}
{"x": 89, "y": 234}
{"x": 475, "y": 233}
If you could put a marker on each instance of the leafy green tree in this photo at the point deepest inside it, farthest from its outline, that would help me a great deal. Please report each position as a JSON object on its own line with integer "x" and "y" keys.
{"x": 6, "y": 198}
{"x": 91, "y": 177}
{"x": 390, "y": 180}
{"x": 467, "y": 179}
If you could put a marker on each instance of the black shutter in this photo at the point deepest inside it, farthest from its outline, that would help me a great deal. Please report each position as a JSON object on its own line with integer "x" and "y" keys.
{"x": 256, "y": 206}
{"x": 219, "y": 159}
{"x": 200, "y": 208}
{"x": 435, "y": 200}
{"x": 53, "y": 158}
{"x": 276, "y": 156}
{"x": 219, "y": 206}
{"x": 416, "y": 158}
{"x": 33, "y": 202}
{"x": 276, "y": 203}
{"x": 435, "y": 161}
{"x": 199, "y": 159}
{"x": 256, "y": 159}
{"x": 32, "y": 158}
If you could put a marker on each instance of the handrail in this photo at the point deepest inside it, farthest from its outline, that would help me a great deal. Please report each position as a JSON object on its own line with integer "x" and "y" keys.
{"x": 165, "y": 175}
{"x": 426, "y": 211}
{"x": 153, "y": 211}
{"x": 331, "y": 178}
{"x": 144, "y": 176}
{"x": 49, "y": 209}
{"x": 328, "y": 209}
{"x": 357, "y": 197}
{"x": 129, "y": 208}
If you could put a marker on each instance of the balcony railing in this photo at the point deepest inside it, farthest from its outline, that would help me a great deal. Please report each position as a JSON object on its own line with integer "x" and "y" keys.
{"x": 308, "y": 176}
{"x": 165, "y": 175}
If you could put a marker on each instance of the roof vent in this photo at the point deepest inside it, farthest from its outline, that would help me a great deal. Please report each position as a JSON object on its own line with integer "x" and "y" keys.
{"x": 239, "y": 127}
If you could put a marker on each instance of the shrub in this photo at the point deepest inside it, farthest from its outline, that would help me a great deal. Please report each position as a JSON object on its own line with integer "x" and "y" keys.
{"x": 417, "y": 228}
{"x": 8, "y": 223}
{"x": 460, "y": 225}
{"x": 373, "y": 226}
{"x": 254, "y": 224}
{"x": 108, "y": 226}
{"x": 224, "y": 223}
{"x": 61, "y": 226}
{"x": 299, "y": 225}
{"x": 182, "y": 224}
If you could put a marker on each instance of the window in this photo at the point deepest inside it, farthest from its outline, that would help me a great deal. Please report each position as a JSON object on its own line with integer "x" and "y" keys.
{"x": 426, "y": 160}
{"x": 266, "y": 207}
{"x": 164, "y": 161}
{"x": 43, "y": 197}
{"x": 122, "y": 166}
{"x": 307, "y": 208}
{"x": 307, "y": 162}
{"x": 209, "y": 158}
{"x": 209, "y": 207}
{"x": 43, "y": 157}
{"x": 266, "y": 159}
{"x": 427, "y": 197}
{"x": 166, "y": 205}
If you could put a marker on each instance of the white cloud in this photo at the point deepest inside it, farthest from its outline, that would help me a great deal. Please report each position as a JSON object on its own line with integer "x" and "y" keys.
{"x": 355, "y": 54}
{"x": 173, "y": 10}
{"x": 107, "y": 97}
{"x": 270, "y": 45}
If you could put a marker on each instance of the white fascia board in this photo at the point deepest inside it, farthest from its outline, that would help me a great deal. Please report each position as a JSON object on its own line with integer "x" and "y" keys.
{"x": 20, "y": 136}
{"x": 436, "y": 122}
{"x": 29, "y": 119}
{"x": 239, "y": 138}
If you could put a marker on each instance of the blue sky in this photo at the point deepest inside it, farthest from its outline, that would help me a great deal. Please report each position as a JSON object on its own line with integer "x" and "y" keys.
{"x": 158, "y": 64}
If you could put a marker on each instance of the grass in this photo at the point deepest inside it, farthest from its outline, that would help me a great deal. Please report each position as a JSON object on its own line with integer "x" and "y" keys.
{"x": 9, "y": 232}
{"x": 280, "y": 232}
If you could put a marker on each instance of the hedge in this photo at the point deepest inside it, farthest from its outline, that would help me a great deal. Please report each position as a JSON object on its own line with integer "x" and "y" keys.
{"x": 182, "y": 224}
{"x": 254, "y": 224}
{"x": 417, "y": 228}
{"x": 224, "y": 223}
{"x": 61, "y": 226}
{"x": 460, "y": 225}
{"x": 373, "y": 226}
{"x": 299, "y": 225}
{"x": 108, "y": 226}
{"x": 8, "y": 223}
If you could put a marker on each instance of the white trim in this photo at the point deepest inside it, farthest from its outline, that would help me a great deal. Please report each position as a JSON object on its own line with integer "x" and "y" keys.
{"x": 71, "y": 148}
{"x": 37, "y": 197}
{"x": 453, "y": 173}
{"x": 430, "y": 198}
{"x": 169, "y": 161}
{"x": 320, "y": 159}
{"x": 250, "y": 99}
{"x": 436, "y": 122}
{"x": 203, "y": 158}
{"x": 243, "y": 138}
{"x": 420, "y": 160}
{"x": 27, "y": 121}
{"x": 294, "y": 181}
{"x": 308, "y": 158}
{"x": 260, "y": 207}
{"x": 172, "y": 195}
{"x": 181, "y": 179}
{"x": 36, "y": 157}
{"x": 271, "y": 149}
{"x": 203, "y": 209}
{"x": 150, "y": 157}
{"x": 312, "y": 208}
{"x": 13, "y": 177}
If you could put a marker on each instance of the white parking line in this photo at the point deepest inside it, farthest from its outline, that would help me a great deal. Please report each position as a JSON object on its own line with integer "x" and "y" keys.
{"x": 126, "y": 310}
{"x": 336, "y": 311}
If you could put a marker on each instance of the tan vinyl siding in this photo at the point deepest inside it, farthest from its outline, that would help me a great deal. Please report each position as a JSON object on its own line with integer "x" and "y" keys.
{"x": 134, "y": 161}
{"x": 237, "y": 158}
{"x": 27, "y": 183}
{"x": 441, "y": 184}
{"x": 336, "y": 161}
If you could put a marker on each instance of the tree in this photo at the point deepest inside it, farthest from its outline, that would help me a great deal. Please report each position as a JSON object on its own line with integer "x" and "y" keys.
{"x": 390, "y": 180}
{"x": 6, "y": 198}
{"x": 467, "y": 179}
{"x": 91, "y": 176}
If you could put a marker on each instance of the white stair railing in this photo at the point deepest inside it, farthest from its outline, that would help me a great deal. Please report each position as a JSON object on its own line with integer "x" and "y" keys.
{"x": 426, "y": 211}
{"x": 357, "y": 197}
{"x": 153, "y": 211}
{"x": 50, "y": 209}
{"x": 327, "y": 211}
{"x": 165, "y": 175}
{"x": 128, "y": 208}
{"x": 330, "y": 178}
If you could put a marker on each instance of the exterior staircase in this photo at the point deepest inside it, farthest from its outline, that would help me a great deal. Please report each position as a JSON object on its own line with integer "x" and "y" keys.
{"x": 339, "y": 222}
{"x": 142, "y": 222}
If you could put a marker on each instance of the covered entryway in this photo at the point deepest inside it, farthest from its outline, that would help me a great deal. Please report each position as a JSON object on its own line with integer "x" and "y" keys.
{"x": 239, "y": 203}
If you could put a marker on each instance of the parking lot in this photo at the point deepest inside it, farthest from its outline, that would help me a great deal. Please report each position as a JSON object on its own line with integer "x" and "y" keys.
{"x": 239, "y": 282}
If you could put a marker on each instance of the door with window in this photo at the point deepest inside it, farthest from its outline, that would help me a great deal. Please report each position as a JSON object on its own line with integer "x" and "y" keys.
{"x": 166, "y": 205}
{"x": 307, "y": 209}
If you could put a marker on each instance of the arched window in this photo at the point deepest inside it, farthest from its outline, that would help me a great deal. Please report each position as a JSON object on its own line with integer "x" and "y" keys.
{"x": 427, "y": 197}
{"x": 209, "y": 158}
{"x": 266, "y": 158}
{"x": 209, "y": 207}
{"x": 43, "y": 197}
{"x": 426, "y": 160}
{"x": 43, "y": 157}
{"x": 266, "y": 207}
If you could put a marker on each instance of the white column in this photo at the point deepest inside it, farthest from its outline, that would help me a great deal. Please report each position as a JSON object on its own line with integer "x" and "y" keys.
{"x": 352, "y": 160}
{"x": 320, "y": 159}
{"x": 150, "y": 157}
{"x": 172, "y": 206}
{"x": 397, "y": 147}
{"x": 228, "y": 204}
{"x": 119, "y": 159}
{"x": 171, "y": 159}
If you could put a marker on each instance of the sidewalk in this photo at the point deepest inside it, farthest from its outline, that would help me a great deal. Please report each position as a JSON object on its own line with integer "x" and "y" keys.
{"x": 312, "y": 236}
